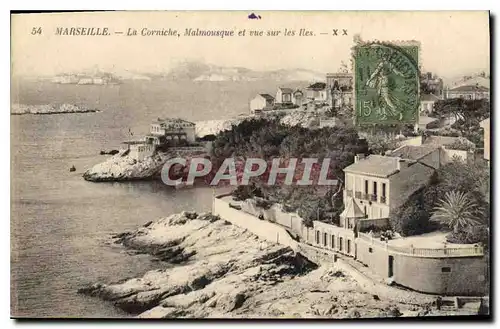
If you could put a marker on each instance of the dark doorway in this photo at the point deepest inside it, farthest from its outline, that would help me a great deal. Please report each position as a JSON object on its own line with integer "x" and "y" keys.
{"x": 391, "y": 266}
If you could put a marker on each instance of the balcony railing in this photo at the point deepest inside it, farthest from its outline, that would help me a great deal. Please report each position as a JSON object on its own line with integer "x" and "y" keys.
{"x": 373, "y": 197}
{"x": 349, "y": 193}
{"x": 365, "y": 196}
{"x": 357, "y": 195}
{"x": 426, "y": 252}
{"x": 383, "y": 199}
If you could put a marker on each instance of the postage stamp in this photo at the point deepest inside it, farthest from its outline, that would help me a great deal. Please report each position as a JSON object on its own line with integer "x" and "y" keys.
{"x": 386, "y": 83}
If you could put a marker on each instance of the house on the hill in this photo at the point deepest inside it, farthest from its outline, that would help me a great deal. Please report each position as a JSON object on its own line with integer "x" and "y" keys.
{"x": 378, "y": 183}
{"x": 298, "y": 97}
{"x": 284, "y": 96}
{"x": 317, "y": 92}
{"x": 171, "y": 131}
{"x": 261, "y": 102}
{"x": 454, "y": 147}
{"x": 469, "y": 92}
{"x": 427, "y": 103}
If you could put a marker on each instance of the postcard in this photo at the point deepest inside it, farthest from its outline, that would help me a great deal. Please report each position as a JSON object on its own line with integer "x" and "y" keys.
{"x": 250, "y": 164}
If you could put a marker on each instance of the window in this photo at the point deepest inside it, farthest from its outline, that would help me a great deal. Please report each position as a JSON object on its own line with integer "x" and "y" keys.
{"x": 324, "y": 239}
{"x": 445, "y": 269}
{"x": 366, "y": 187}
{"x": 317, "y": 237}
{"x": 370, "y": 250}
{"x": 375, "y": 188}
{"x": 348, "y": 246}
{"x": 340, "y": 244}
{"x": 333, "y": 241}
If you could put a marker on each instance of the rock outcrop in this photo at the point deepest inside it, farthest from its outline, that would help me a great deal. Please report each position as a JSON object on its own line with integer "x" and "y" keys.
{"x": 123, "y": 167}
{"x": 217, "y": 270}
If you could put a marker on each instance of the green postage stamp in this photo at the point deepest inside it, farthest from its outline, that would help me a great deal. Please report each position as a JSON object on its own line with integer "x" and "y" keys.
{"x": 386, "y": 83}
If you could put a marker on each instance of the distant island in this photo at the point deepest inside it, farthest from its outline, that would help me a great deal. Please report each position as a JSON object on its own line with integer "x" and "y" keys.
{"x": 19, "y": 109}
{"x": 85, "y": 79}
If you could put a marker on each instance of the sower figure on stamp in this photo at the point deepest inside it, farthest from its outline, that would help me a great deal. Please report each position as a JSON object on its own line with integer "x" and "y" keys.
{"x": 380, "y": 79}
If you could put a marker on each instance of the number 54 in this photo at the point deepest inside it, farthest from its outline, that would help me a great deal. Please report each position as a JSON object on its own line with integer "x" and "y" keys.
{"x": 36, "y": 30}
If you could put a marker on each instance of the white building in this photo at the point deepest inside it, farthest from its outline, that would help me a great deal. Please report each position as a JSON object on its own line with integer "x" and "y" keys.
{"x": 317, "y": 92}
{"x": 376, "y": 184}
{"x": 171, "y": 130}
{"x": 261, "y": 102}
{"x": 469, "y": 92}
{"x": 427, "y": 103}
{"x": 139, "y": 149}
{"x": 284, "y": 95}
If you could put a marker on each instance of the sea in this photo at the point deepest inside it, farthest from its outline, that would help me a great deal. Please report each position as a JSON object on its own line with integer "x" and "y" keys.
{"x": 61, "y": 224}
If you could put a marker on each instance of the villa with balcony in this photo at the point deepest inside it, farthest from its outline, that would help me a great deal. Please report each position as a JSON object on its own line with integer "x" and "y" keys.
{"x": 376, "y": 183}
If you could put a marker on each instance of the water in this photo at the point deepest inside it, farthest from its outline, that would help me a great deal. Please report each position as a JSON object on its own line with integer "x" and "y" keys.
{"x": 60, "y": 224}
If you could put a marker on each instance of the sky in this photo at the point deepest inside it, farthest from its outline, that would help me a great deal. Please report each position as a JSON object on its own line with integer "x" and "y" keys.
{"x": 452, "y": 43}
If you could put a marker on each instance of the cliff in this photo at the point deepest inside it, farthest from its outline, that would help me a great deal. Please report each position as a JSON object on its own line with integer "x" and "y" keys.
{"x": 216, "y": 270}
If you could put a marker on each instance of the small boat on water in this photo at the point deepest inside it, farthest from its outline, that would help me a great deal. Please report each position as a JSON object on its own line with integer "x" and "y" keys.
{"x": 72, "y": 169}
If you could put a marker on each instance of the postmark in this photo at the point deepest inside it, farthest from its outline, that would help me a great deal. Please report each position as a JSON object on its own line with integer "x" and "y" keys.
{"x": 386, "y": 83}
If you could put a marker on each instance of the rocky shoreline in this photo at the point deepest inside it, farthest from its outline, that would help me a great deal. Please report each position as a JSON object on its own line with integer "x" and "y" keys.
{"x": 122, "y": 167}
{"x": 214, "y": 269}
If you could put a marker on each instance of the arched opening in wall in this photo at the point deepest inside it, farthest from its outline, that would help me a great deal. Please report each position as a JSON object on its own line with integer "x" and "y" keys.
{"x": 348, "y": 246}
{"x": 340, "y": 243}
{"x": 391, "y": 266}
{"x": 317, "y": 237}
{"x": 325, "y": 236}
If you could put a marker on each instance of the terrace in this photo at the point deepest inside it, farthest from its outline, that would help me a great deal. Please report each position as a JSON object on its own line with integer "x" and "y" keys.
{"x": 427, "y": 245}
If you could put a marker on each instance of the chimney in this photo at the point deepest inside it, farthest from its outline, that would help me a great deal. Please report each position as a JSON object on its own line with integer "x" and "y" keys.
{"x": 398, "y": 163}
{"x": 358, "y": 157}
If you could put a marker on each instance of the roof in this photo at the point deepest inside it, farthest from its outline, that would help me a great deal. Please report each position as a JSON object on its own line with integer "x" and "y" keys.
{"x": 413, "y": 152}
{"x": 352, "y": 210}
{"x": 317, "y": 86}
{"x": 374, "y": 165}
{"x": 429, "y": 98}
{"x": 298, "y": 91}
{"x": 471, "y": 88}
{"x": 267, "y": 97}
{"x": 170, "y": 121}
{"x": 286, "y": 90}
{"x": 445, "y": 140}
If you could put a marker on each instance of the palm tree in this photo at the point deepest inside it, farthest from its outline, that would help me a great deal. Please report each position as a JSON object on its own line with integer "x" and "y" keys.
{"x": 457, "y": 210}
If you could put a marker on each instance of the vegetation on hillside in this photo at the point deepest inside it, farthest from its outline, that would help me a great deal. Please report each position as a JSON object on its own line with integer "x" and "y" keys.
{"x": 269, "y": 139}
{"x": 468, "y": 115}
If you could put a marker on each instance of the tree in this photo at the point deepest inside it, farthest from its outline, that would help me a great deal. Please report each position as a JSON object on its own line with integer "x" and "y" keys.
{"x": 412, "y": 218}
{"x": 458, "y": 211}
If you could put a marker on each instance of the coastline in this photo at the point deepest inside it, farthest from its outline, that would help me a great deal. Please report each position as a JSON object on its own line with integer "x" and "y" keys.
{"x": 122, "y": 167}
{"x": 214, "y": 269}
